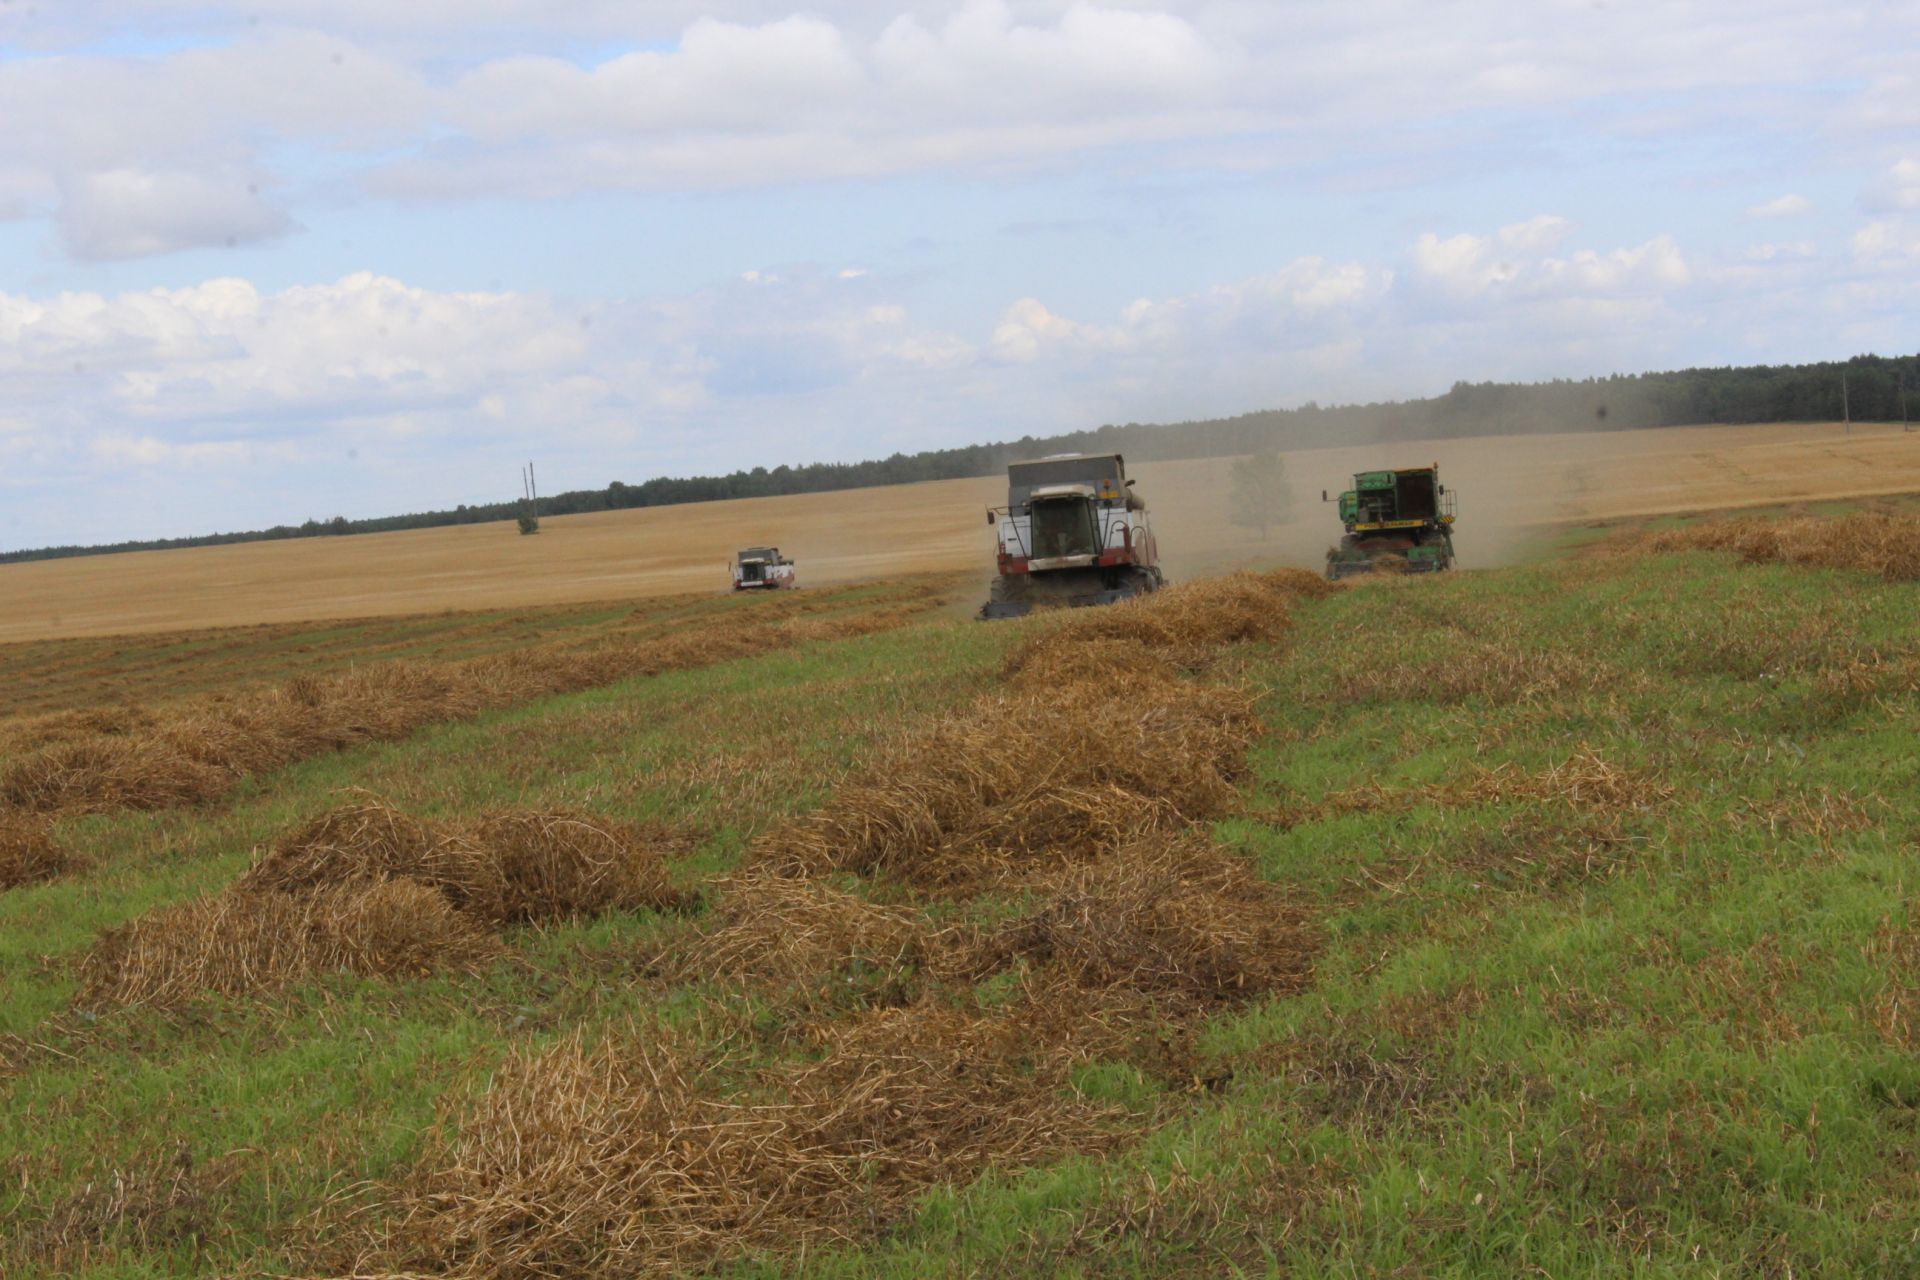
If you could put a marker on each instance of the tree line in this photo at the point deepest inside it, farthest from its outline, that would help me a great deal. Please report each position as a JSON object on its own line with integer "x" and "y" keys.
{"x": 1877, "y": 389}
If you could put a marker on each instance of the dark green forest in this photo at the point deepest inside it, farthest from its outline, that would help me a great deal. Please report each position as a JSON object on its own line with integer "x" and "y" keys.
{"x": 1877, "y": 389}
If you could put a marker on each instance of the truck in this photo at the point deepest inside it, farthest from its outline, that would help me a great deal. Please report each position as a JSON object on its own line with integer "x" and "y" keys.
{"x": 761, "y": 569}
{"x": 1072, "y": 533}
{"x": 1396, "y": 521}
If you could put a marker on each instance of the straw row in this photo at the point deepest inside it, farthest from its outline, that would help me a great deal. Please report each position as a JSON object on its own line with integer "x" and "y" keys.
{"x": 200, "y": 750}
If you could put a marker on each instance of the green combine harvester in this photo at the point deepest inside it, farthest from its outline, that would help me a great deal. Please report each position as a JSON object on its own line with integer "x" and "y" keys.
{"x": 1397, "y": 522}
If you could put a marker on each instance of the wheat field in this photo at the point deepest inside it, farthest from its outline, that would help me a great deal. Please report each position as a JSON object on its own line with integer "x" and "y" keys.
{"x": 1507, "y": 486}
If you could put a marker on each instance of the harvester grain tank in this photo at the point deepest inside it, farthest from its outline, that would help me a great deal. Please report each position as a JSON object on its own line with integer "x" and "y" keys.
{"x": 761, "y": 569}
{"x": 1399, "y": 521}
{"x": 1073, "y": 533}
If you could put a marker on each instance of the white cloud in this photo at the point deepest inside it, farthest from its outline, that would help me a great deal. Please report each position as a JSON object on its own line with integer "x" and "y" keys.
{"x": 1511, "y": 266}
{"x": 130, "y": 213}
{"x": 439, "y": 100}
{"x": 1887, "y": 242}
{"x": 1898, "y": 189}
{"x": 1787, "y": 206}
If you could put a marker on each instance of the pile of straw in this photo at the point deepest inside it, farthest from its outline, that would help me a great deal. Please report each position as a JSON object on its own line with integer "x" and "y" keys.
{"x": 1584, "y": 780}
{"x": 244, "y": 943}
{"x": 783, "y": 931}
{"x": 1025, "y": 778}
{"x": 366, "y": 889}
{"x": 508, "y": 868}
{"x": 28, "y": 853}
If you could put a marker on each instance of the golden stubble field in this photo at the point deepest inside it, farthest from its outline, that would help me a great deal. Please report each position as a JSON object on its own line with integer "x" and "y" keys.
{"x": 1507, "y": 487}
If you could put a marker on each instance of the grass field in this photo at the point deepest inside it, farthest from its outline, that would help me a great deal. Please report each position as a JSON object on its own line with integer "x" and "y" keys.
{"x": 1508, "y": 486}
{"x": 1555, "y": 919}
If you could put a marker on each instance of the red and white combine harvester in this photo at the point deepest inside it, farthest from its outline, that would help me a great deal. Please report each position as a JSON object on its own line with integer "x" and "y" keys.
{"x": 1072, "y": 533}
{"x": 761, "y": 569}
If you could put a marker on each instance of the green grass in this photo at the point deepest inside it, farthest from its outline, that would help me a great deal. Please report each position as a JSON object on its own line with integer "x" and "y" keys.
{"x": 1653, "y": 1029}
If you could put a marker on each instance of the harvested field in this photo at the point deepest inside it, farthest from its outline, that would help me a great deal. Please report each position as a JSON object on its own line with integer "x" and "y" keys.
{"x": 197, "y": 751}
{"x": 1596, "y": 956}
{"x": 634, "y": 1158}
{"x": 1508, "y": 483}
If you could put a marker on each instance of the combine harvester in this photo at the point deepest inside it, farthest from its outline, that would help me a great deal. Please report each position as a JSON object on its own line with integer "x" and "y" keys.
{"x": 1072, "y": 533}
{"x": 761, "y": 569}
{"x": 1397, "y": 521}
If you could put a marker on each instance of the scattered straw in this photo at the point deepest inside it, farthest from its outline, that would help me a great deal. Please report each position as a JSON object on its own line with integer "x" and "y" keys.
{"x": 622, "y": 1157}
{"x": 1175, "y": 918}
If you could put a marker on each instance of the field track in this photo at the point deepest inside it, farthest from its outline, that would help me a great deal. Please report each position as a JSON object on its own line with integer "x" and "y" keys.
{"x": 1506, "y": 486}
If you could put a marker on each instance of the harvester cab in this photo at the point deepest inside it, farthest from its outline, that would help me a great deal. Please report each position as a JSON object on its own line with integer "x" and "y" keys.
{"x": 1396, "y": 521}
{"x": 1073, "y": 533}
{"x": 761, "y": 569}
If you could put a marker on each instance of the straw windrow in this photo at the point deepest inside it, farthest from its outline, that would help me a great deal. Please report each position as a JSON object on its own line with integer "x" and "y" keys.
{"x": 200, "y": 750}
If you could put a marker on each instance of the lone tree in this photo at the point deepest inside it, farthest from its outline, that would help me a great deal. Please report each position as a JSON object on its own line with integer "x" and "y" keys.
{"x": 1258, "y": 495}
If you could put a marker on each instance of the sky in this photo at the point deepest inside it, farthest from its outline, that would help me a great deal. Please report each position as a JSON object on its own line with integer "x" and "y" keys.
{"x": 282, "y": 259}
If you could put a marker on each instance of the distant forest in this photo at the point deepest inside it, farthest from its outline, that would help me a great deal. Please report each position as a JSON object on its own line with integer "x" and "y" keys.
{"x": 1877, "y": 388}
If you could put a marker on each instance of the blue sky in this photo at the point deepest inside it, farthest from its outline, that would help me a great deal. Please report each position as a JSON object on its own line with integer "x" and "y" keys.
{"x": 303, "y": 257}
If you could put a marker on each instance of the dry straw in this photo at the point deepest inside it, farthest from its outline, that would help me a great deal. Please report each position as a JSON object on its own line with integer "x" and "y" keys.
{"x": 199, "y": 751}
{"x": 1884, "y": 543}
{"x": 625, "y": 1157}
{"x": 244, "y": 943}
{"x": 29, "y": 854}
{"x": 368, "y": 890}
{"x": 1172, "y": 918}
{"x": 1075, "y": 788}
